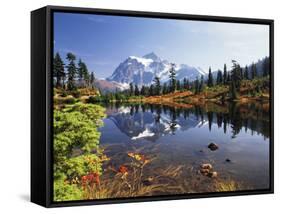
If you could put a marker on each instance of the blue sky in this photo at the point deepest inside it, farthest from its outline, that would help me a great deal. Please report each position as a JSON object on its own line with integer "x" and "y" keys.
{"x": 105, "y": 41}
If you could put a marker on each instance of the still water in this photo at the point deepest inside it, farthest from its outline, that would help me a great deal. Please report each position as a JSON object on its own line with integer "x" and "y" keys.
{"x": 177, "y": 138}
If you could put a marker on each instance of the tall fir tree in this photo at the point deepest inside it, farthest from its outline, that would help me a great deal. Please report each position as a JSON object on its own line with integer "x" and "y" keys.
{"x": 235, "y": 79}
{"x": 137, "y": 92}
{"x": 131, "y": 89}
{"x": 224, "y": 74}
{"x": 185, "y": 83}
{"x": 253, "y": 70}
{"x": 232, "y": 91}
{"x": 266, "y": 66}
{"x": 142, "y": 91}
{"x": 157, "y": 85}
{"x": 92, "y": 79}
{"x": 201, "y": 85}
{"x": 83, "y": 73}
{"x": 178, "y": 85}
{"x": 151, "y": 90}
{"x": 219, "y": 77}
{"x": 235, "y": 72}
{"x": 246, "y": 73}
{"x": 165, "y": 88}
{"x": 197, "y": 86}
{"x": 72, "y": 71}
{"x": 210, "y": 78}
{"x": 58, "y": 70}
{"x": 80, "y": 70}
{"x": 172, "y": 76}
{"x": 241, "y": 73}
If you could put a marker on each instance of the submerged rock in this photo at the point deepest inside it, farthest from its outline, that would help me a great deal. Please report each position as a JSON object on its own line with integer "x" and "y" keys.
{"x": 227, "y": 160}
{"x": 213, "y": 174}
{"x": 212, "y": 146}
{"x": 206, "y": 166}
{"x": 206, "y": 169}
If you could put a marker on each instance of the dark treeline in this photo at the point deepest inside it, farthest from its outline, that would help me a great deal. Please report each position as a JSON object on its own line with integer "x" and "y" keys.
{"x": 71, "y": 74}
{"x": 254, "y": 118}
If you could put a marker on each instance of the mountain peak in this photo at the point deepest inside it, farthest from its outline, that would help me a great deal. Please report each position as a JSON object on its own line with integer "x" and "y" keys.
{"x": 152, "y": 56}
{"x": 142, "y": 70}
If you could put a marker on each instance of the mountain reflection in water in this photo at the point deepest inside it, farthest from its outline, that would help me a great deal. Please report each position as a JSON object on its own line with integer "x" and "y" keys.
{"x": 180, "y": 137}
{"x": 150, "y": 122}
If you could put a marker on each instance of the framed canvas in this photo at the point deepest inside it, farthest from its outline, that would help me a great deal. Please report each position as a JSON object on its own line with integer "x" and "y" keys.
{"x": 131, "y": 106}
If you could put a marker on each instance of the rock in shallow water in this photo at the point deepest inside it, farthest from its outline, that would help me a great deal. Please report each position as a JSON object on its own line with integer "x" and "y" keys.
{"x": 212, "y": 146}
{"x": 206, "y": 169}
{"x": 206, "y": 166}
{"x": 227, "y": 160}
{"x": 213, "y": 174}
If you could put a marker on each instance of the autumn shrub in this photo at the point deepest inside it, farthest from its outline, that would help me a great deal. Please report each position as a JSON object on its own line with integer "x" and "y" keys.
{"x": 75, "y": 128}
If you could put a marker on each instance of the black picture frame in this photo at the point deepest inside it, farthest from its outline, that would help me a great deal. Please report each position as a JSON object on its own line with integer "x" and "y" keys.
{"x": 41, "y": 103}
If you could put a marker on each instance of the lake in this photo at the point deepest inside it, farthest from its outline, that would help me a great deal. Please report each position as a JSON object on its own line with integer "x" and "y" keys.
{"x": 175, "y": 139}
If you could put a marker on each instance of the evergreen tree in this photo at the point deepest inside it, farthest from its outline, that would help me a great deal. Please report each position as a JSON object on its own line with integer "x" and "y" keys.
{"x": 241, "y": 73}
{"x": 157, "y": 85}
{"x": 142, "y": 91}
{"x": 172, "y": 76}
{"x": 228, "y": 79}
{"x": 72, "y": 70}
{"x": 246, "y": 73}
{"x": 165, "y": 88}
{"x": 80, "y": 70}
{"x": 58, "y": 70}
{"x": 92, "y": 79}
{"x": 235, "y": 73}
{"x": 232, "y": 91}
{"x": 131, "y": 90}
{"x": 254, "y": 70}
{"x": 224, "y": 74}
{"x": 219, "y": 77}
{"x": 210, "y": 78}
{"x": 137, "y": 92}
{"x": 83, "y": 73}
{"x": 185, "y": 83}
{"x": 178, "y": 85}
{"x": 266, "y": 67}
{"x": 151, "y": 90}
{"x": 235, "y": 80}
{"x": 201, "y": 85}
{"x": 197, "y": 86}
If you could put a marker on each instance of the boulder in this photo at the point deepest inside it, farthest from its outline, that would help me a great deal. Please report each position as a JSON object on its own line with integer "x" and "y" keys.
{"x": 212, "y": 146}
{"x": 206, "y": 166}
{"x": 213, "y": 174}
{"x": 204, "y": 171}
{"x": 227, "y": 160}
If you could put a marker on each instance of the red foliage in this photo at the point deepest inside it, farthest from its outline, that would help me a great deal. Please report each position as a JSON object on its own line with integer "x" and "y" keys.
{"x": 90, "y": 179}
{"x": 123, "y": 169}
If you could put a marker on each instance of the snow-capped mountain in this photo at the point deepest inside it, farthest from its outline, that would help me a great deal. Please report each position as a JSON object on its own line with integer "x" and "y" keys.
{"x": 142, "y": 70}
